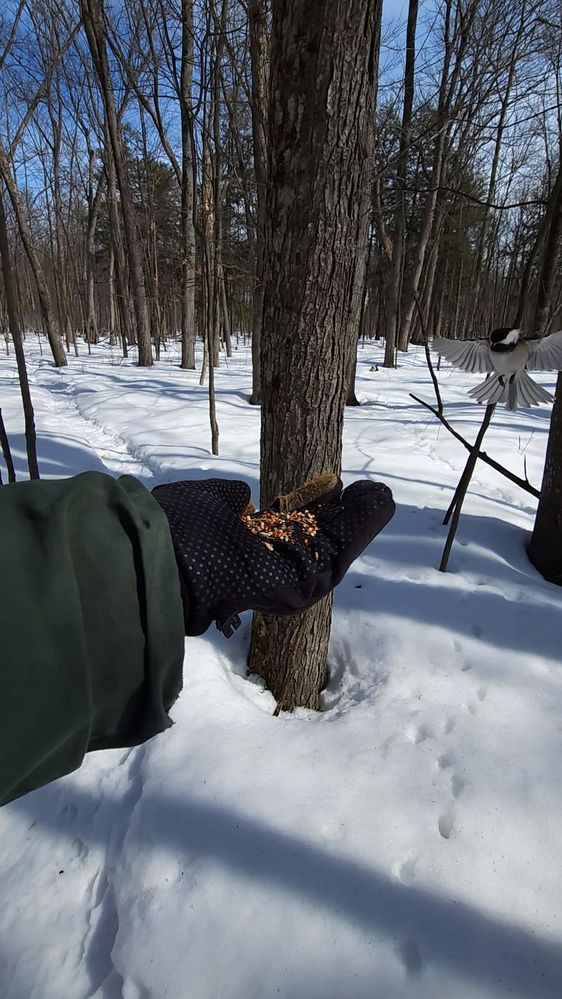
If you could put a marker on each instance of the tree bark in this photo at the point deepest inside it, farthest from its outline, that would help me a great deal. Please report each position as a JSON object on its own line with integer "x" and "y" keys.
{"x": 93, "y": 18}
{"x": 455, "y": 40}
{"x": 188, "y": 188}
{"x": 551, "y": 259}
{"x": 321, "y": 122}
{"x": 394, "y": 271}
{"x": 11, "y": 305}
{"x": 94, "y": 205}
{"x": 120, "y": 277}
{"x": 483, "y": 246}
{"x": 47, "y": 309}
{"x": 6, "y": 452}
{"x": 259, "y": 53}
{"x": 545, "y": 548}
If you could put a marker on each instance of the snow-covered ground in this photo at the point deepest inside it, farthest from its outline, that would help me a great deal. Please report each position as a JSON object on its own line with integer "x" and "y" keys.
{"x": 404, "y": 842}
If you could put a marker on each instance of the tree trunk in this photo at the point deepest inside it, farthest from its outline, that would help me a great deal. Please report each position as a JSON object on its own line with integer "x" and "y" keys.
{"x": 226, "y": 331}
{"x": 483, "y": 246}
{"x": 94, "y": 205}
{"x": 11, "y": 306}
{"x": 6, "y": 452}
{"x": 113, "y": 316}
{"x": 323, "y": 80}
{"x": 259, "y": 53}
{"x": 188, "y": 188}
{"x": 219, "y": 290}
{"x": 55, "y": 341}
{"x": 551, "y": 258}
{"x": 455, "y": 40}
{"x": 545, "y": 548}
{"x": 120, "y": 279}
{"x": 93, "y": 18}
{"x": 394, "y": 271}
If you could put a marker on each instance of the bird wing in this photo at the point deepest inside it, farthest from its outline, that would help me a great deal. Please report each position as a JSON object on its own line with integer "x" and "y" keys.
{"x": 545, "y": 354}
{"x": 470, "y": 355}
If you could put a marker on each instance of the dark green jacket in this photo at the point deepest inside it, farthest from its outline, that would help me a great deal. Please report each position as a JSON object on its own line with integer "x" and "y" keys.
{"x": 91, "y": 624}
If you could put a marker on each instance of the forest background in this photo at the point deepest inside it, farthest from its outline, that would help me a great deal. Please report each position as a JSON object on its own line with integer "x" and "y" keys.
{"x": 302, "y": 177}
{"x": 133, "y": 155}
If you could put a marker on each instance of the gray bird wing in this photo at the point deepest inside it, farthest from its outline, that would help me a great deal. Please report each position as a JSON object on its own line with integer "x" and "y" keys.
{"x": 545, "y": 354}
{"x": 470, "y": 355}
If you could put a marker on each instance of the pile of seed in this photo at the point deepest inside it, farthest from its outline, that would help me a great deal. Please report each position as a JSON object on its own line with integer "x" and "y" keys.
{"x": 295, "y": 528}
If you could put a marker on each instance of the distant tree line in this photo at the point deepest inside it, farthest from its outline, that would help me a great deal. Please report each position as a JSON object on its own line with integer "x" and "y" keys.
{"x": 133, "y": 157}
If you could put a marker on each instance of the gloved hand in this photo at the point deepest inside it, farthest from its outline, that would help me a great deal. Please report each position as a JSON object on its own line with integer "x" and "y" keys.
{"x": 225, "y": 568}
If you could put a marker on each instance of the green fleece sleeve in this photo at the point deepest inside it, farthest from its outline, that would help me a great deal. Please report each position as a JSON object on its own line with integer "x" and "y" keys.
{"x": 91, "y": 624}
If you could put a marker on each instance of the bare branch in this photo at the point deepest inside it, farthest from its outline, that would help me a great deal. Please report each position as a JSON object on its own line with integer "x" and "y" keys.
{"x": 523, "y": 483}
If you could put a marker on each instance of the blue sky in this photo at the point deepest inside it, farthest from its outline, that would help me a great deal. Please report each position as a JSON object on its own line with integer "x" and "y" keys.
{"x": 392, "y": 9}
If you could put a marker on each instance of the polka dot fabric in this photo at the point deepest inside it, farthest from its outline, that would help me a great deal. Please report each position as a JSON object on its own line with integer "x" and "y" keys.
{"x": 225, "y": 569}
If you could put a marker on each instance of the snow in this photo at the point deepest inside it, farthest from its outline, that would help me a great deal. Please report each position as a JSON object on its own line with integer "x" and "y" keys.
{"x": 403, "y": 842}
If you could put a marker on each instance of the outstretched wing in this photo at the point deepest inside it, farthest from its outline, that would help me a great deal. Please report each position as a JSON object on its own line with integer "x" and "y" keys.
{"x": 545, "y": 354}
{"x": 470, "y": 355}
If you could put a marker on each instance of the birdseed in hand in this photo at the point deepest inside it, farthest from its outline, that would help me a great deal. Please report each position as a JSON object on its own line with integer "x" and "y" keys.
{"x": 295, "y": 528}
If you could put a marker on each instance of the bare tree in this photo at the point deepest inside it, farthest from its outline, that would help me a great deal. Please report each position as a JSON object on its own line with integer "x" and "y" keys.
{"x": 94, "y": 25}
{"x": 396, "y": 247}
{"x": 11, "y": 304}
{"x": 259, "y": 55}
{"x": 545, "y": 549}
{"x": 323, "y": 72}
{"x": 188, "y": 187}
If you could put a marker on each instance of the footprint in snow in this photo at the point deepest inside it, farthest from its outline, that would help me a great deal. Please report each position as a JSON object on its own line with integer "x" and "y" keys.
{"x": 446, "y": 824}
{"x": 457, "y": 785}
{"x": 458, "y": 650}
{"x": 409, "y": 954}
{"x": 405, "y": 870}
{"x": 445, "y": 761}
{"x": 79, "y": 848}
{"x": 470, "y": 706}
{"x": 418, "y": 733}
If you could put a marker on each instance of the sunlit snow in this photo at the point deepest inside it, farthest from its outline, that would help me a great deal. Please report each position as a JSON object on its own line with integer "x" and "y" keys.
{"x": 404, "y": 842}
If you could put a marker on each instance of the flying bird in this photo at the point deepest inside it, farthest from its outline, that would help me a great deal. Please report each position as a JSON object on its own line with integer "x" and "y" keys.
{"x": 506, "y": 358}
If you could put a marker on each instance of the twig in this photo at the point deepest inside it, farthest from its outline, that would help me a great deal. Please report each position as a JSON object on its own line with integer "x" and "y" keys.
{"x": 463, "y": 486}
{"x": 523, "y": 483}
{"x": 428, "y": 355}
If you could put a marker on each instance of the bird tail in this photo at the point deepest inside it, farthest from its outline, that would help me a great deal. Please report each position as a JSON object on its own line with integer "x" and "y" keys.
{"x": 518, "y": 391}
{"x": 490, "y": 391}
{"x": 529, "y": 392}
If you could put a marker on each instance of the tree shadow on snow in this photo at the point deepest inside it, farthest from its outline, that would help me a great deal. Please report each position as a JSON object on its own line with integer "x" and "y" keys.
{"x": 491, "y": 591}
{"x": 57, "y": 458}
{"x": 479, "y": 947}
{"x": 61, "y": 456}
{"x": 142, "y": 384}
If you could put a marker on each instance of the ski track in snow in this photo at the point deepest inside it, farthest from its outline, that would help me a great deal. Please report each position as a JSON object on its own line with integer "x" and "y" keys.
{"x": 115, "y": 452}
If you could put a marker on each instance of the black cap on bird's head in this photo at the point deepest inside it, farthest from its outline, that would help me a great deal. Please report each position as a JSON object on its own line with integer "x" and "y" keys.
{"x": 505, "y": 334}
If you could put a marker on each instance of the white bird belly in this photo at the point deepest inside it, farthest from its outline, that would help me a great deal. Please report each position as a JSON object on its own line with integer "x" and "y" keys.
{"x": 510, "y": 362}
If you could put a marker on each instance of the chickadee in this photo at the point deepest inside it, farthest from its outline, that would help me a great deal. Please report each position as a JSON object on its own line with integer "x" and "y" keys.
{"x": 506, "y": 357}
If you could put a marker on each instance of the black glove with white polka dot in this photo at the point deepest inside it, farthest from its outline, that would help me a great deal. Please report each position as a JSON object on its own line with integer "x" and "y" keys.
{"x": 227, "y": 565}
